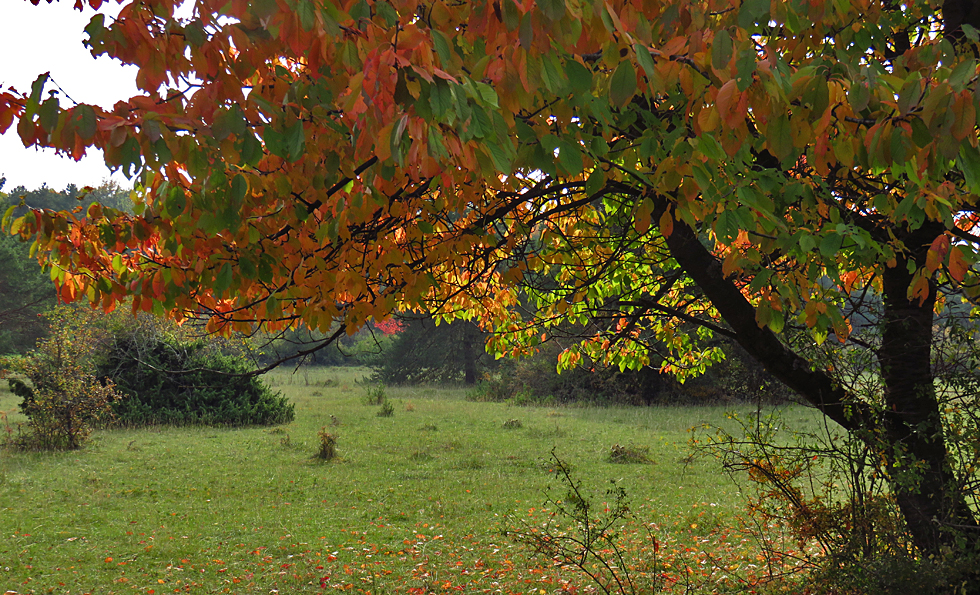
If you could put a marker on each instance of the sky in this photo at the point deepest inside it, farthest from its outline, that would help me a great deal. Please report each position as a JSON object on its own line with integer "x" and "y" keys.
{"x": 48, "y": 38}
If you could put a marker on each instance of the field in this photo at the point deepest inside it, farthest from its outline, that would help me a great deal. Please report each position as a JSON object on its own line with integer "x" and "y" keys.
{"x": 419, "y": 502}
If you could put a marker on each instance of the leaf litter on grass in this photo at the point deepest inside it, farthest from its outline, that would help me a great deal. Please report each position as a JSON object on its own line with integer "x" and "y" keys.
{"x": 222, "y": 511}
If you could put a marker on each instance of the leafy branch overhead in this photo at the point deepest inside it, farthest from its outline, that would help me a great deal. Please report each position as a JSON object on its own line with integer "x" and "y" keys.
{"x": 652, "y": 172}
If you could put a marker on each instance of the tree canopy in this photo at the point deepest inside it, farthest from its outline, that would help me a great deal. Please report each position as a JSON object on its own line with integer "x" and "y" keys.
{"x": 652, "y": 171}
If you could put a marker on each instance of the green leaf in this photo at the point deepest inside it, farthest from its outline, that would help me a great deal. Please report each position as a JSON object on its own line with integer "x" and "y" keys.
{"x": 622, "y": 86}
{"x": 266, "y": 267}
{"x": 721, "y": 50}
{"x": 776, "y": 321}
{"x": 48, "y": 114}
{"x": 501, "y": 157}
{"x": 274, "y": 143}
{"x": 970, "y": 31}
{"x": 223, "y": 280}
{"x": 711, "y": 148}
{"x": 440, "y": 97}
{"x": 752, "y": 13}
{"x": 387, "y": 12}
{"x": 239, "y": 187}
{"x": 579, "y": 77}
{"x": 744, "y": 67}
{"x": 194, "y": 33}
{"x": 526, "y": 33}
{"x": 830, "y": 245}
{"x": 645, "y": 58}
{"x": 251, "y": 150}
{"x": 858, "y": 96}
{"x": 511, "y": 15}
{"x": 307, "y": 14}
{"x": 552, "y": 74}
{"x": 570, "y": 157}
{"x": 552, "y": 9}
{"x": 969, "y": 165}
{"x": 727, "y": 227}
{"x": 595, "y": 181}
{"x": 779, "y": 137}
{"x": 130, "y": 154}
{"x": 294, "y": 141}
{"x": 441, "y": 44}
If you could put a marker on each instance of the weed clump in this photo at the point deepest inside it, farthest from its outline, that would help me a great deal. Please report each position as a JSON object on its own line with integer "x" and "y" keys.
{"x": 328, "y": 445}
{"x": 513, "y": 424}
{"x": 387, "y": 409}
{"x": 376, "y": 395}
{"x": 629, "y": 454}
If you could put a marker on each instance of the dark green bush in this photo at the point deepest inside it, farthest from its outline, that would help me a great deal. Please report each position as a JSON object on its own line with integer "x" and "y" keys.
{"x": 170, "y": 381}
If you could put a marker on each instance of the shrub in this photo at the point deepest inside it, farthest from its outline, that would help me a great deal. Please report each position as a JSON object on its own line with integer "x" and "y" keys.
{"x": 582, "y": 534}
{"x": 174, "y": 380}
{"x": 60, "y": 393}
{"x": 172, "y": 377}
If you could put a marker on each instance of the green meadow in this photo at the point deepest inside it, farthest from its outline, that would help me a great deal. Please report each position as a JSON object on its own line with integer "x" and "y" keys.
{"x": 419, "y": 502}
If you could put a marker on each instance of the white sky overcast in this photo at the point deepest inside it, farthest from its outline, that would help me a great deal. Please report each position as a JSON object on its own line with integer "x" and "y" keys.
{"x": 48, "y": 38}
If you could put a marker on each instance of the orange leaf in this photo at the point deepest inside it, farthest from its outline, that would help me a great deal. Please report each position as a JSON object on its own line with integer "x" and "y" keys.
{"x": 957, "y": 264}
{"x": 666, "y": 224}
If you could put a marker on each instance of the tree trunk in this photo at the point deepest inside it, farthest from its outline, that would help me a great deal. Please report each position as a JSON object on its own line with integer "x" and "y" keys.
{"x": 909, "y": 434}
{"x": 914, "y": 446}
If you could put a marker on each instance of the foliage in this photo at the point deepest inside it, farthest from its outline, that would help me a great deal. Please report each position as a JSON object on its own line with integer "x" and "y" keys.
{"x": 825, "y": 489}
{"x": 25, "y": 288}
{"x": 658, "y": 173}
{"x": 171, "y": 378}
{"x": 62, "y": 395}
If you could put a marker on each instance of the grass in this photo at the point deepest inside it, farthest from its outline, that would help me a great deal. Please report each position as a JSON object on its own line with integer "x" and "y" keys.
{"x": 413, "y": 503}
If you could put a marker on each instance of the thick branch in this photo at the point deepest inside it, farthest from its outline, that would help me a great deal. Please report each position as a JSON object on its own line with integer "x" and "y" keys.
{"x": 815, "y": 386}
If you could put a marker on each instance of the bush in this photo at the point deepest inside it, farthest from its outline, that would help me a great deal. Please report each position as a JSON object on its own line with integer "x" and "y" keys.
{"x": 61, "y": 394}
{"x": 171, "y": 379}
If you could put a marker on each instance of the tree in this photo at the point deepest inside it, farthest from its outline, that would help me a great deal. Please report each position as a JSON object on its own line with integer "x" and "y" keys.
{"x": 647, "y": 169}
